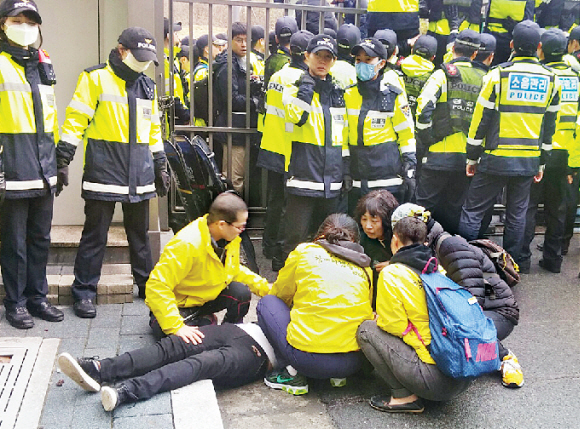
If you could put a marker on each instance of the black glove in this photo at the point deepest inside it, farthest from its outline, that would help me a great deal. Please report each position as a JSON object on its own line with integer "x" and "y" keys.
{"x": 410, "y": 185}
{"x": 162, "y": 180}
{"x": 61, "y": 179}
{"x": 346, "y": 185}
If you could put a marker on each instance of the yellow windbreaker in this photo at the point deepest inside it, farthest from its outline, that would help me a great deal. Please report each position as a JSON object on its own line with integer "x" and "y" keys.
{"x": 189, "y": 274}
{"x": 330, "y": 298}
{"x": 400, "y": 299}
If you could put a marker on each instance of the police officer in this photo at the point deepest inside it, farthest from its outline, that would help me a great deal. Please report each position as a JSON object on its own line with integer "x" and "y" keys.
{"x": 181, "y": 112}
{"x": 28, "y": 131}
{"x": 516, "y": 116}
{"x": 447, "y": 18}
{"x": 444, "y": 111}
{"x": 317, "y": 126}
{"x": 285, "y": 27}
{"x": 273, "y": 147}
{"x": 552, "y": 189}
{"x": 114, "y": 111}
{"x": 417, "y": 68}
{"x": 392, "y": 73}
{"x": 401, "y": 16}
{"x": 381, "y": 132}
{"x": 257, "y": 54}
{"x": 573, "y": 56}
{"x": 343, "y": 70}
{"x": 502, "y": 16}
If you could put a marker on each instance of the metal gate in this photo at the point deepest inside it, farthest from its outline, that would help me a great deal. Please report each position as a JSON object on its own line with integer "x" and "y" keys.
{"x": 254, "y": 191}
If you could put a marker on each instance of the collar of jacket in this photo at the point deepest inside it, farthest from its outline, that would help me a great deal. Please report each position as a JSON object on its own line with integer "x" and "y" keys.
{"x": 525, "y": 59}
{"x": 556, "y": 64}
{"x": 207, "y": 239}
{"x": 369, "y": 88}
{"x": 415, "y": 256}
{"x": 299, "y": 65}
{"x": 284, "y": 51}
{"x": 480, "y": 65}
{"x": 258, "y": 54}
{"x": 352, "y": 252}
{"x": 20, "y": 55}
{"x": 120, "y": 68}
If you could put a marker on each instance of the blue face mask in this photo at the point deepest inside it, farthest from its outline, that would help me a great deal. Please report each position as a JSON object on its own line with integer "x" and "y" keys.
{"x": 365, "y": 71}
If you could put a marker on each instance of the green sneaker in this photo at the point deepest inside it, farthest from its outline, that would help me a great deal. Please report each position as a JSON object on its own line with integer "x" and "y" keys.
{"x": 295, "y": 385}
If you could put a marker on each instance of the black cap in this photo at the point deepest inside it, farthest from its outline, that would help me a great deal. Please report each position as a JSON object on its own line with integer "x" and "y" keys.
{"x": 176, "y": 27}
{"x": 322, "y": 42}
{"x": 258, "y": 33}
{"x": 286, "y": 26}
{"x": 299, "y": 41}
{"x": 15, "y": 7}
{"x": 425, "y": 46}
{"x": 575, "y": 33}
{"x": 488, "y": 43}
{"x": 141, "y": 43}
{"x": 184, "y": 51}
{"x": 185, "y": 41}
{"x": 347, "y": 36}
{"x": 329, "y": 32}
{"x": 469, "y": 38}
{"x": 554, "y": 42}
{"x": 373, "y": 48}
{"x": 526, "y": 36}
{"x": 388, "y": 38}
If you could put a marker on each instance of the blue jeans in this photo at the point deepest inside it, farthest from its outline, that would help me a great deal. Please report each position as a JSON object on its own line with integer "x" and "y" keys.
{"x": 274, "y": 317}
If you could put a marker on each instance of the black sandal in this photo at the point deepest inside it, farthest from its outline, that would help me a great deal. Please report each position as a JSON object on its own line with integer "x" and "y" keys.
{"x": 381, "y": 403}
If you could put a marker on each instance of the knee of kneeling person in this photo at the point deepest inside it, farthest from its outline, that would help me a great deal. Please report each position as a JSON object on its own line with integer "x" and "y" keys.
{"x": 239, "y": 291}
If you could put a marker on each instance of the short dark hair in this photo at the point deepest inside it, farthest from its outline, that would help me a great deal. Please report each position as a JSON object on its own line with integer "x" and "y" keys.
{"x": 411, "y": 230}
{"x": 338, "y": 227}
{"x": 464, "y": 51}
{"x": 226, "y": 207}
{"x": 283, "y": 40}
{"x": 380, "y": 203}
{"x": 239, "y": 29}
{"x": 482, "y": 56}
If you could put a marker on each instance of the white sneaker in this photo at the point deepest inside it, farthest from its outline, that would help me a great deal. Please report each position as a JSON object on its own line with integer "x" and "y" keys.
{"x": 109, "y": 398}
{"x": 70, "y": 366}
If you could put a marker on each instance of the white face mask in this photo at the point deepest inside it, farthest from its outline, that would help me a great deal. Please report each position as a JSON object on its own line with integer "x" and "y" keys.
{"x": 137, "y": 66}
{"x": 22, "y": 34}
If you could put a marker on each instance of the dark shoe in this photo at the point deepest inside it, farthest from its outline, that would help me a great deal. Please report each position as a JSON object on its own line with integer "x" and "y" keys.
{"x": 20, "y": 318}
{"x": 381, "y": 403}
{"x": 209, "y": 319}
{"x": 524, "y": 266}
{"x": 141, "y": 292}
{"x": 548, "y": 266}
{"x": 47, "y": 312}
{"x": 83, "y": 371}
{"x": 112, "y": 397}
{"x": 85, "y": 309}
{"x": 277, "y": 263}
{"x": 268, "y": 252}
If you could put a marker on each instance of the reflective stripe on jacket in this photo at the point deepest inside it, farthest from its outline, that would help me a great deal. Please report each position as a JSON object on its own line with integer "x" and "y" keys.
{"x": 274, "y": 147}
{"x": 444, "y": 111}
{"x": 316, "y": 124}
{"x": 394, "y": 14}
{"x": 516, "y": 115}
{"x": 329, "y": 297}
{"x": 504, "y": 14}
{"x": 119, "y": 124}
{"x": 381, "y": 134}
{"x": 189, "y": 274}
{"x": 28, "y": 127}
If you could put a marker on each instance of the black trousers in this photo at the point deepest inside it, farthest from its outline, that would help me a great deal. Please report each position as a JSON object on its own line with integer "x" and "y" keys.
{"x": 571, "y": 198}
{"x": 502, "y": 50}
{"x": 89, "y": 259}
{"x": 302, "y": 217}
{"x": 227, "y": 355}
{"x": 235, "y": 298}
{"x": 274, "y": 213}
{"x": 482, "y": 194}
{"x": 551, "y": 191}
{"x": 25, "y": 234}
{"x": 443, "y": 194}
{"x": 442, "y": 40}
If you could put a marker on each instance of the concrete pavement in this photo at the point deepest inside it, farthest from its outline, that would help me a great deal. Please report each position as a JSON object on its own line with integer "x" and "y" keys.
{"x": 546, "y": 343}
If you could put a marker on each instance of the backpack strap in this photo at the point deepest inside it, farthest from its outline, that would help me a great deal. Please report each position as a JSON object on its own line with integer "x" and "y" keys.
{"x": 411, "y": 327}
{"x": 431, "y": 266}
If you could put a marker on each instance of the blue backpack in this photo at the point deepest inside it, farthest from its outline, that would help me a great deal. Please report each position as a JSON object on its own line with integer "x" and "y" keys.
{"x": 463, "y": 340}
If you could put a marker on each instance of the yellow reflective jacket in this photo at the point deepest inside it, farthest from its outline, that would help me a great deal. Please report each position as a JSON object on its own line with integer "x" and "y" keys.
{"x": 189, "y": 274}
{"x": 385, "y": 150}
{"x": 177, "y": 84}
{"x": 573, "y": 60}
{"x": 393, "y": 14}
{"x": 28, "y": 144}
{"x": 400, "y": 300}
{"x": 257, "y": 61}
{"x": 516, "y": 115}
{"x": 502, "y": 15}
{"x": 274, "y": 147}
{"x": 568, "y": 114}
{"x": 119, "y": 124}
{"x": 344, "y": 73}
{"x": 317, "y": 126}
{"x": 329, "y": 296}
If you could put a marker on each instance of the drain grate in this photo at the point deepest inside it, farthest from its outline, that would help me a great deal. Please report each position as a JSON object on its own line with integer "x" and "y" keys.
{"x": 24, "y": 362}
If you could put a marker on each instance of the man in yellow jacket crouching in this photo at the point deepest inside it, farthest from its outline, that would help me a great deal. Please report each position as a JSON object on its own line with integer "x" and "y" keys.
{"x": 199, "y": 273}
